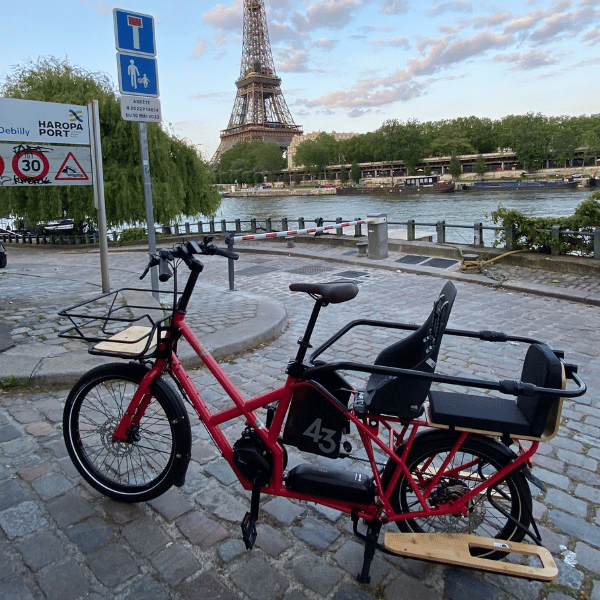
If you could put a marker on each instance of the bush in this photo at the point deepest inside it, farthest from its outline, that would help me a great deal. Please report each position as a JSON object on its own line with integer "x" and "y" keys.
{"x": 534, "y": 233}
{"x": 135, "y": 234}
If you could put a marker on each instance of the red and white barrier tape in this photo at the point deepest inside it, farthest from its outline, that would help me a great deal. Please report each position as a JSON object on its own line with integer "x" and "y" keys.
{"x": 274, "y": 234}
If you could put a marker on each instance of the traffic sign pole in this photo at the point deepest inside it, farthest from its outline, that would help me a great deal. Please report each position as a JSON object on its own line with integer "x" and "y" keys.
{"x": 138, "y": 76}
{"x": 98, "y": 181}
{"x": 149, "y": 206}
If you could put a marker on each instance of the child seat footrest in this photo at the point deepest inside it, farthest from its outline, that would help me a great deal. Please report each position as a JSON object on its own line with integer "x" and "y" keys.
{"x": 455, "y": 549}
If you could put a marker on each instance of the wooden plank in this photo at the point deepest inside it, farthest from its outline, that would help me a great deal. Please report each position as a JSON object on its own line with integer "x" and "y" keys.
{"x": 455, "y": 549}
{"x": 130, "y": 341}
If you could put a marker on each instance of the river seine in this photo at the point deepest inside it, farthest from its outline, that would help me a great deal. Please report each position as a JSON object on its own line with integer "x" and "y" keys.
{"x": 462, "y": 208}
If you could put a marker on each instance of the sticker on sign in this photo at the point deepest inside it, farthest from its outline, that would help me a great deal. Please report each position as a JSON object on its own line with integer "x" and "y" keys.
{"x": 134, "y": 108}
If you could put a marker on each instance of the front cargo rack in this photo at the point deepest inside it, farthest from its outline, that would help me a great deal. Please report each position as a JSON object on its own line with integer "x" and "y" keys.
{"x": 126, "y": 323}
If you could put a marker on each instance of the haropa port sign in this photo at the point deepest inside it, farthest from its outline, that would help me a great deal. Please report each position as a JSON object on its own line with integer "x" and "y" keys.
{"x": 46, "y": 122}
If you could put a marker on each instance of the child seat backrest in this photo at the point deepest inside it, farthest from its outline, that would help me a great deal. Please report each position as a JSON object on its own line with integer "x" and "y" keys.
{"x": 404, "y": 396}
{"x": 544, "y": 369}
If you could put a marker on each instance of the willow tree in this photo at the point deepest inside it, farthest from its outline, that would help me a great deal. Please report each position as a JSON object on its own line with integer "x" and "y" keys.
{"x": 181, "y": 180}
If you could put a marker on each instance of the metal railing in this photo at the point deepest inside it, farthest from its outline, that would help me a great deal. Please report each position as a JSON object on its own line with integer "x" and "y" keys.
{"x": 270, "y": 225}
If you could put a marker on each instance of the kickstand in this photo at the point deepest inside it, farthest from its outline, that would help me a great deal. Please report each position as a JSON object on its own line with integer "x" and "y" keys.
{"x": 373, "y": 529}
{"x": 249, "y": 522}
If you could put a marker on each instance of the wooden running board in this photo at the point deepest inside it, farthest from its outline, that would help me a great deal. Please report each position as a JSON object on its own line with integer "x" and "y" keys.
{"x": 455, "y": 549}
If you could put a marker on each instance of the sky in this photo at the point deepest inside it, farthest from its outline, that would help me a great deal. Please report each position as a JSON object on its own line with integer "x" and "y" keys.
{"x": 345, "y": 65}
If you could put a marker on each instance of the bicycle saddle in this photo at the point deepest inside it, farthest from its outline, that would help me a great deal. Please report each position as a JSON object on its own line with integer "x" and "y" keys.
{"x": 333, "y": 293}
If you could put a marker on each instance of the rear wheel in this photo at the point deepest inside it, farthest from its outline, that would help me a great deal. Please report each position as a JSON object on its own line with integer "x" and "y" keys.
{"x": 478, "y": 459}
{"x": 147, "y": 464}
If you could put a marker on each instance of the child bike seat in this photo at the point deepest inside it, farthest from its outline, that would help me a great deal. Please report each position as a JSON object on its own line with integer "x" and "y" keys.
{"x": 533, "y": 416}
{"x": 404, "y": 396}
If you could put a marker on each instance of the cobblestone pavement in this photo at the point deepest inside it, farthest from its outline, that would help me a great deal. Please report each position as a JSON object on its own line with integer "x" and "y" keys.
{"x": 59, "y": 539}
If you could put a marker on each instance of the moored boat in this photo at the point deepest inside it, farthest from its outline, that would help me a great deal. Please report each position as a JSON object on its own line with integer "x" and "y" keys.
{"x": 407, "y": 185}
{"x": 525, "y": 184}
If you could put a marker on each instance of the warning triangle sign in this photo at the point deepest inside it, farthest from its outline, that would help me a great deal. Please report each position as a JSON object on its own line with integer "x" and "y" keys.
{"x": 71, "y": 170}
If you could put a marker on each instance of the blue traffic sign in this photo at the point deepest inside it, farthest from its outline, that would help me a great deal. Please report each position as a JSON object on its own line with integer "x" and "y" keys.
{"x": 138, "y": 75}
{"x": 134, "y": 32}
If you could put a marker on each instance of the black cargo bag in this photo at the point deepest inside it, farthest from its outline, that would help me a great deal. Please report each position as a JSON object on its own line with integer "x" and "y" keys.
{"x": 314, "y": 424}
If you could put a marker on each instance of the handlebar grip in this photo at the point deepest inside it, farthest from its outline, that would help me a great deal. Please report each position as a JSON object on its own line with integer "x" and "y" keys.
{"x": 227, "y": 254}
{"x": 164, "y": 270}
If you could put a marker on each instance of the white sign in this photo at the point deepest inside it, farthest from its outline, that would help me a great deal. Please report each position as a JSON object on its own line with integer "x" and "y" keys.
{"x": 134, "y": 108}
{"x": 25, "y": 164}
{"x": 48, "y": 122}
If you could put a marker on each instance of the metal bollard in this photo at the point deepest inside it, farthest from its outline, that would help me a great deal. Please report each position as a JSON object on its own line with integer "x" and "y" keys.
{"x": 362, "y": 248}
{"x": 211, "y": 226}
{"x": 597, "y": 243}
{"x": 187, "y": 229}
{"x": 440, "y": 231}
{"x": 410, "y": 230}
{"x": 378, "y": 236}
{"x": 284, "y": 224}
{"x": 290, "y": 241}
{"x": 238, "y": 225}
{"x": 357, "y": 228}
{"x": 509, "y": 237}
{"x": 555, "y": 240}
{"x": 478, "y": 234}
{"x": 253, "y": 225}
{"x": 301, "y": 224}
{"x": 269, "y": 225}
{"x": 199, "y": 226}
{"x": 339, "y": 230}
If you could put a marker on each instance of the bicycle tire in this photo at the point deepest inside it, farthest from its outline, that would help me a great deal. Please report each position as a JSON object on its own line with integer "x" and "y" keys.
{"x": 133, "y": 471}
{"x": 482, "y": 457}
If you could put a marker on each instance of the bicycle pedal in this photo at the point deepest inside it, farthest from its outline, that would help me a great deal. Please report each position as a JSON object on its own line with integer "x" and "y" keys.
{"x": 249, "y": 530}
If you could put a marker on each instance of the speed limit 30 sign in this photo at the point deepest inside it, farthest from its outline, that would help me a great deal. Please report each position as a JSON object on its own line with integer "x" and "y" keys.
{"x": 30, "y": 165}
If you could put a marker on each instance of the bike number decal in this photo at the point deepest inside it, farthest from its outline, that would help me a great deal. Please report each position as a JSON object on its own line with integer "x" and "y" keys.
{"x": 321, "y": 436}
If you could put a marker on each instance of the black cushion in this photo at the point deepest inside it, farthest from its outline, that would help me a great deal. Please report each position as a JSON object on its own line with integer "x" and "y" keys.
{"x": 478, "y": 412}
{"x": 528, "y": 415}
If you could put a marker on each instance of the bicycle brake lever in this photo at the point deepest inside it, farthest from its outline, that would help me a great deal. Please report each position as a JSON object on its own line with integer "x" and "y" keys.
{"x": 153, "y": 262}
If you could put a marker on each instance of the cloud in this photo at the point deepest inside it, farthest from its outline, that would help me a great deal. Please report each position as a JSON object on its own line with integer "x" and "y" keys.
{"x": 455, "y": 6}
{"x": 198, "y": 50}
{"x": 330, "y": 14}
{"x": 326, "y": 44}
{"x": 395, "y": 7}
{"x": 530, "y": 60}
{"x": 484, "y": 21}
{"x": 399, "y": 42}
{"x": 593, "y": 37}
{"x": 355, "y": 113}
{"x": 292, "y": 60}
{"x": 566, "y": 24}
{"x": 226, "y": 17}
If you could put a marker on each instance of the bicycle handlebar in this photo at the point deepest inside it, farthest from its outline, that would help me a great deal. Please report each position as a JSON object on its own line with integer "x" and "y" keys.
{"x": 185, "y": 252}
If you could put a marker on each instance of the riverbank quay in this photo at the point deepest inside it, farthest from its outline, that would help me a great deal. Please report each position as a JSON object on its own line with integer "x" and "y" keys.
{"x": 61, "y": 540}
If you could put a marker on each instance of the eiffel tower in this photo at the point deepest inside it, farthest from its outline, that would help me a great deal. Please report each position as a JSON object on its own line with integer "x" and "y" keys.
{"x": 260, "y": 111}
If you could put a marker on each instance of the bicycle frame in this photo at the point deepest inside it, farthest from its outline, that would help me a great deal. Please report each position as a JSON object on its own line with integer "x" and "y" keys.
{"x": 368, "y": 429}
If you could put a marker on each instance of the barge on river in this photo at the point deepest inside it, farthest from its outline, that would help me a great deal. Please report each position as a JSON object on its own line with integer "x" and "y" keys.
{"x": 524, "y": 184}
{"x": 408, "y": 185}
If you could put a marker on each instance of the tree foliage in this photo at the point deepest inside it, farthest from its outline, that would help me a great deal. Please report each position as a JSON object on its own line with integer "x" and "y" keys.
{"x": 534, "y": 233}
{"x": 533, "y": 137}
{"x": 181, "y": 180}
{"x": 257, "y": 155}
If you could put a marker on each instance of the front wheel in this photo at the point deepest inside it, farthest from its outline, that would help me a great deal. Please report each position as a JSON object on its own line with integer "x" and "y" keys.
{"x": 156, "y": 452}
{"x": 477, "y": 459}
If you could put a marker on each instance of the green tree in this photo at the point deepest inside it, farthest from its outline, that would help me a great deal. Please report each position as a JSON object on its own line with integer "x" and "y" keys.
{"x": 256, "y": 155}
{"x": 355, "y": 172}
{"x": 529, "y": 136}
{"x": 480, "y": 166}
{"x": 455, "y": 167}
{"x": 564, "y": 143}
{"x": 182, "y": 183}
{"x": 343, "y": 174}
